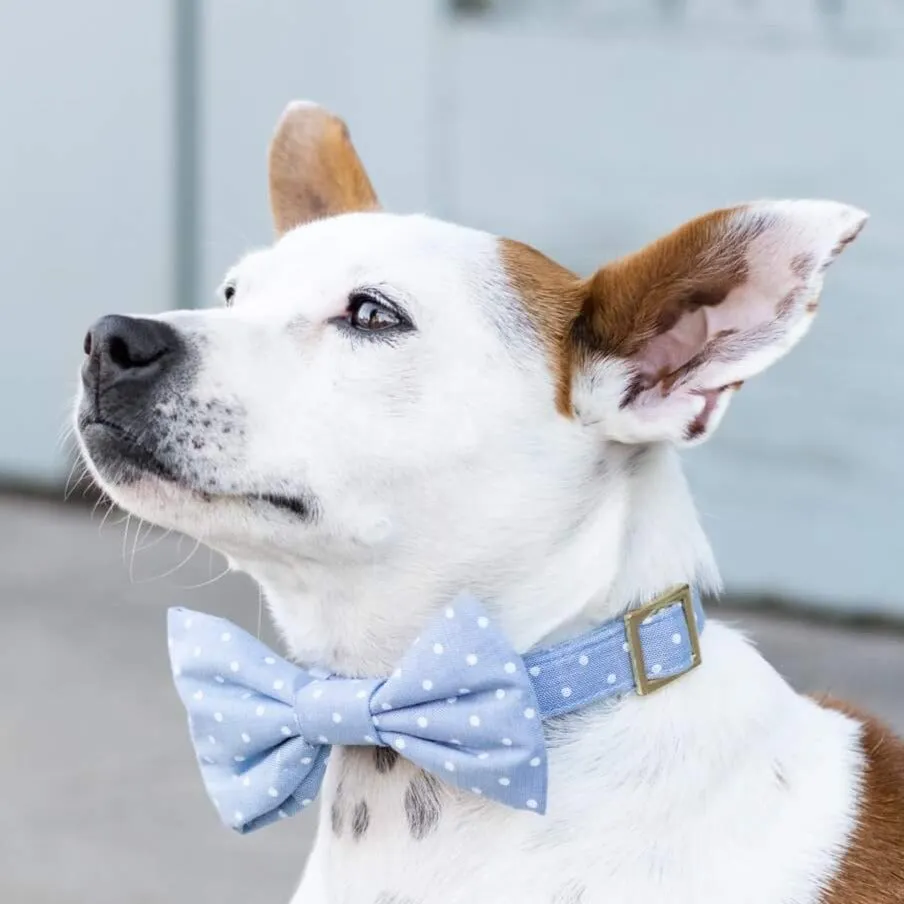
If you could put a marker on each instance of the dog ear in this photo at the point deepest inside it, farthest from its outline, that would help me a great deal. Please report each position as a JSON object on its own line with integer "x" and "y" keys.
{"x": 665, "y": 336}
{"x": 314, "y": 170}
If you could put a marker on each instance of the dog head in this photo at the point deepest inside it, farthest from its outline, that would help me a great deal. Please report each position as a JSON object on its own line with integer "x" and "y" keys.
{"x": 399, "y": 403}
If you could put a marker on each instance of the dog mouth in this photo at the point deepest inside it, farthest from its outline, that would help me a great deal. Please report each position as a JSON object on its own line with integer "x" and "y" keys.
{"x": 122, "y": 458}
{"x": 119, "y": 454}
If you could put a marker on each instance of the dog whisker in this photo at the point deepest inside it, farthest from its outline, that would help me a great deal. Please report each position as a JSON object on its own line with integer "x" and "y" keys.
{"x": 260, "y": 610}
{"x": 71, "y": 486}
{"x": 66, "y": 437}
{"x": 141, "y": 523}
{"x": 207, "y": 583}
{"x": 161, "y": 535}
{"x": 173, "y": 570}
{"x": 111, "y": 506}
{"x": 125, "y": 537}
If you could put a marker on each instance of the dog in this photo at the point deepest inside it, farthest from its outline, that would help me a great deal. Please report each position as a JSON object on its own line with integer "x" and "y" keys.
{"x": 387, "y": 410}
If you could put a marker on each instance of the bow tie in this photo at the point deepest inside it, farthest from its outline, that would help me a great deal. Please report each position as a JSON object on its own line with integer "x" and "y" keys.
{"x": 462, "y": 703}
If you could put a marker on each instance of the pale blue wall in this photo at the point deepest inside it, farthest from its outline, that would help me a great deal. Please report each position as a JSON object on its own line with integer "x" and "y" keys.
{"x": 85, "y": 201}
{"x": 583, "y": 126}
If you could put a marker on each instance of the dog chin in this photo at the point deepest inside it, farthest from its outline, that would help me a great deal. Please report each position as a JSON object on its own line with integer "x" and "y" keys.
{"x": 134, "y": 477}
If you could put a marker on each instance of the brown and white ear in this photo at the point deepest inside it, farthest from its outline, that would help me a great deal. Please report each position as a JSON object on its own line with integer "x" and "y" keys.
{"x": 668, "y": 334}
{"x": 314, "y": 169}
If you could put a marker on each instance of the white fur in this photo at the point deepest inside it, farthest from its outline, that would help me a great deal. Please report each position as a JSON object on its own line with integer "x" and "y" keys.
{"x": 440, "y": 463}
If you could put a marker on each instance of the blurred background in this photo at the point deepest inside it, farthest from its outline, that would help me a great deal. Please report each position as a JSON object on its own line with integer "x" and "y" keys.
{"x": 132, "y": 173}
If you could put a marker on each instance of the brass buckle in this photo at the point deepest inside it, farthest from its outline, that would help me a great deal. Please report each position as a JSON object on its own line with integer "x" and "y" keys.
{"x": 633, "y": 621}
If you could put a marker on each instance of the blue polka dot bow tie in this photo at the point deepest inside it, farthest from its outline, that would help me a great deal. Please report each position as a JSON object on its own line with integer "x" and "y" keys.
{"x": 462, "y": 703}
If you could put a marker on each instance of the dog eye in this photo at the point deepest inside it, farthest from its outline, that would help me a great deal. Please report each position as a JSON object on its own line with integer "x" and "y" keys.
{"x": 228, "y": 294}
{"x": 368, "y": 314}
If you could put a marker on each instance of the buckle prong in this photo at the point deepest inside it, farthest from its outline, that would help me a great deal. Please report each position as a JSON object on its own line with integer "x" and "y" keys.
{"x": 636, "y": 617}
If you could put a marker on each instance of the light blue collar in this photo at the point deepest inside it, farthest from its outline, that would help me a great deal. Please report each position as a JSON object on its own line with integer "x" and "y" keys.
{"x": 461, "y": 704}
{"x": 642, "y": 651}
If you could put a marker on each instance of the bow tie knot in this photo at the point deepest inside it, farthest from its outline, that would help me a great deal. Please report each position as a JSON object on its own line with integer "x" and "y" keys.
{"x": 337, "y": 711}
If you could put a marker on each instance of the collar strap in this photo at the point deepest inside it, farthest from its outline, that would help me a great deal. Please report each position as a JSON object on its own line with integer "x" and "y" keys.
{"x": 640, "y": 652}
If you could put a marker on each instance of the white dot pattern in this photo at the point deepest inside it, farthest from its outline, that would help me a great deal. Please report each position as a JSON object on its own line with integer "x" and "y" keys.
{"x": 599, "y": 664}
{"x": 263, "y": 728}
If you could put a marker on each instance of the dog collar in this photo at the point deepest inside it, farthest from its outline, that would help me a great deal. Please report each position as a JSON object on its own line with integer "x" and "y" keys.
{"x": 462, "y": 703}
{"x": 640, "y": 652}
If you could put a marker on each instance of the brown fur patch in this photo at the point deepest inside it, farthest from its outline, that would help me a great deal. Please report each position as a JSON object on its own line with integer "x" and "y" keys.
{"x": 847, "y": 239}
{"x": 802, "y": 265}
{"x": 872, "y": 869}
{"x": 778, "y": 770}
{"x": 360, "y": 820}
{"x": 385, "y": 759}
{"x": 423, "y": 805}
{"x": 630, "y": 301}
{"x": 314, "y": 169}
{"x": 553, "y": 297}
{"x": 646, "y": 293}
{"x": 336, "y": 811}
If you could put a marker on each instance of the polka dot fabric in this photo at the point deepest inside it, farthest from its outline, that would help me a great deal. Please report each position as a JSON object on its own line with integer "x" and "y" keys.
{"x": 461, "y": 704}
{"x": 255, "y": 763}
{"x": 597, "y": 665}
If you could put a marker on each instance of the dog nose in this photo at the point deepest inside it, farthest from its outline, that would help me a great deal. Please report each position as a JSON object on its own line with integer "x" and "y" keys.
{"x": 127, "y": 348}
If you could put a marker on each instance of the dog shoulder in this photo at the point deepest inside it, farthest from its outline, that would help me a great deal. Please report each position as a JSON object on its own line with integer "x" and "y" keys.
{"x": 872, "y": 867}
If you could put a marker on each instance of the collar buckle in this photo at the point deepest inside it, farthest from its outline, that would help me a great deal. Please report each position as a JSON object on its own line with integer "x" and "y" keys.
{"x": 635, "y": 618}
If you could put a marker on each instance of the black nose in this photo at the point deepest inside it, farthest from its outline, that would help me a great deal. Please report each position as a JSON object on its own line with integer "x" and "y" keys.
{"x": 127, "y": 349}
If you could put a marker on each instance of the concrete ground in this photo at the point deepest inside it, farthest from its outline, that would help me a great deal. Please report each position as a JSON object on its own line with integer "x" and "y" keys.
{"x": 101, "y": 800}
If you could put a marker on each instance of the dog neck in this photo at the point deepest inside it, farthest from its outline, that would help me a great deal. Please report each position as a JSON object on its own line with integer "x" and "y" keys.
{"x": 642, "y": 537}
